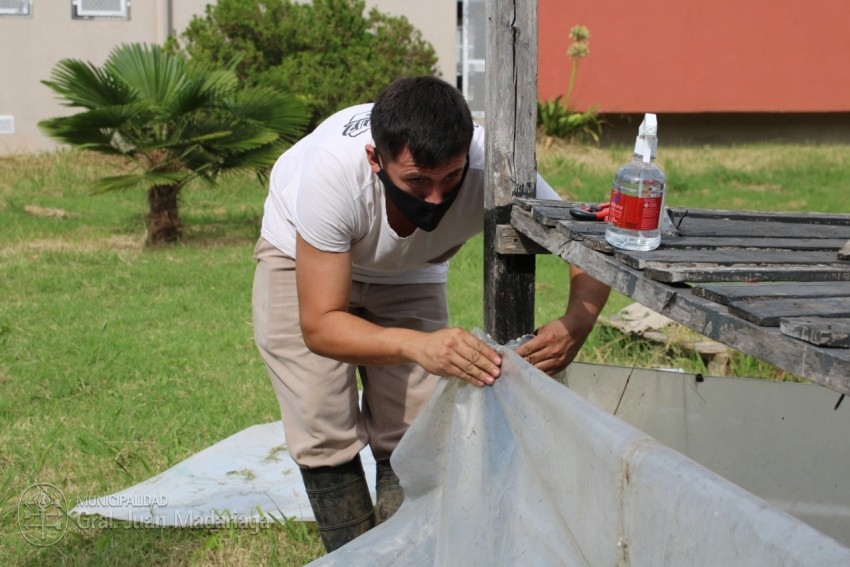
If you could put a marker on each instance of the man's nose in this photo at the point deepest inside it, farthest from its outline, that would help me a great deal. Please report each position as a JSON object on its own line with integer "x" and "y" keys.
{"x": 436, "y": 195}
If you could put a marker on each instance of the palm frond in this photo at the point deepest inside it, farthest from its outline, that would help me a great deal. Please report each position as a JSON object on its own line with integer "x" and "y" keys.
{"x": 144, "y": 180}
{"x": 65, "y": 131}
{"x": 279, "y": 112}
{"x": 156, "y": 75}
{"x": 95, "y": 129}
{"x": 173, "y": 115}
{"x": 83, "y": 85}
{"x": 205, "y": 88}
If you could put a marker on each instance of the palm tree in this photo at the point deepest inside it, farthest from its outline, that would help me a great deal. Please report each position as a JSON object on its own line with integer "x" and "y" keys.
{"x": 172, "y": 119}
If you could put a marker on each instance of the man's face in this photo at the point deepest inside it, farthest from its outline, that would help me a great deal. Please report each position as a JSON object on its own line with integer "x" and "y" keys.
{"x": 431, "y": 185}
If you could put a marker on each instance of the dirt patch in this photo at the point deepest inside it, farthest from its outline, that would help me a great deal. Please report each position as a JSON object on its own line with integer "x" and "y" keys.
{"x": 115, "y": 243}
{"x": 48, "y": 212}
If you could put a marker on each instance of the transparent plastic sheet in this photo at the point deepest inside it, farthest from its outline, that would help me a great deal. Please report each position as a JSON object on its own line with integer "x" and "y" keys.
{"x": 529, "y": 473}
{"x": 244, "y": 479}
{"x": 524, "y": 473}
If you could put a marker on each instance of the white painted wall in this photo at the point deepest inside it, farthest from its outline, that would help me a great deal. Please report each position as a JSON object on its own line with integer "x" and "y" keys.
{"x": 32, "y": 45}
{"x": 437, "y": 20}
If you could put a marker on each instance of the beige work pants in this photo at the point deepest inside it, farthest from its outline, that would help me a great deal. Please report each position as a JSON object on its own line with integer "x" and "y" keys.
{"x": 323, "y": 422}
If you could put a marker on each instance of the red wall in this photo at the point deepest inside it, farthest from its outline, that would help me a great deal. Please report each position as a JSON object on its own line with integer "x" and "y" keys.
{"x": 699, "y": 56}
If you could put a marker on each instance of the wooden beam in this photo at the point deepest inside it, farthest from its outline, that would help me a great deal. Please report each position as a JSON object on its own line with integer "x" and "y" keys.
{"x": 509, "y": 241}
{"x": 511, "y": 121}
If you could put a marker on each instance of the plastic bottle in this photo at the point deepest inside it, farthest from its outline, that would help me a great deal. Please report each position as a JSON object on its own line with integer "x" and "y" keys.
{"x": 637, "y": 195}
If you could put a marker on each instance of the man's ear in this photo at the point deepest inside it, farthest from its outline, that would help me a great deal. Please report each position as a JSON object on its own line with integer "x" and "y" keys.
{"x": 372, "y": 158}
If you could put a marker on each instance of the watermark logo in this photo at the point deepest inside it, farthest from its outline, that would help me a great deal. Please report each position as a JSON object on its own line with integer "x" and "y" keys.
{"x": 41, "y": 515}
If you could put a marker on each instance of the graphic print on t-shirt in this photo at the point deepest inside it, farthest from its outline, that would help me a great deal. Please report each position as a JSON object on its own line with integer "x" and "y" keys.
{"x": 358, "y": 124}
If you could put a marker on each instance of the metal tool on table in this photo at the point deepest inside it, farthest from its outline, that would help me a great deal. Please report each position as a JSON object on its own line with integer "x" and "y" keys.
{"x": 596, "y": 211}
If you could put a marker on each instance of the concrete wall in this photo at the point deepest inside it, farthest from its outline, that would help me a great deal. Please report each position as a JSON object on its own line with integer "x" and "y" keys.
{"x": 669, "y": 56}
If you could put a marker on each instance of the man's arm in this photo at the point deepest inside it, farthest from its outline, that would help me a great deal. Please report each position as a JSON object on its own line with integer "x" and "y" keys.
{"x": 557, "y": 342}
{"x": 323, "y": 280}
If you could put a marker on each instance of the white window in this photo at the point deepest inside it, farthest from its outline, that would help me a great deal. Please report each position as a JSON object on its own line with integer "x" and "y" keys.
{"x": 101, "y": 8}
{"x": 472, "y": 51}
{"x": 15, "y": 7}
{"x": 7, "y": 124}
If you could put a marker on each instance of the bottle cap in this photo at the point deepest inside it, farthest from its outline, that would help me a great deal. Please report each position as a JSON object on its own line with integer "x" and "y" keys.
{"x": 646, "y": 143}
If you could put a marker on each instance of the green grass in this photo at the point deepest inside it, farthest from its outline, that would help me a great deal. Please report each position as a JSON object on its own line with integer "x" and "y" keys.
{"x": 117, "y": 362}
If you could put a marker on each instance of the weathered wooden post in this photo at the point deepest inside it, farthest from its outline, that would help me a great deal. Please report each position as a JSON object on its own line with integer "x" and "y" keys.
{"x": 511, "y": 111}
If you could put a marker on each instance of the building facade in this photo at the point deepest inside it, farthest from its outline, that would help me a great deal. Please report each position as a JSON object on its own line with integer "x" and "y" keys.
{"x": 37, "y": 34}
{"x": 768, "y": 63}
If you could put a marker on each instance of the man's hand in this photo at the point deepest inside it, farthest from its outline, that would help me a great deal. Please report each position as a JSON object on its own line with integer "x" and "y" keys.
{"x": 457, "y": 353}
{"x": 324, "y": 279}
{"x": 557, "y": 343}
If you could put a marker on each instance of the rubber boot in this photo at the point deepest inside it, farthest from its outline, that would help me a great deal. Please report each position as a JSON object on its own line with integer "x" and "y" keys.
{"x": 341, "y": 502}
{"x": 390, "y": 493}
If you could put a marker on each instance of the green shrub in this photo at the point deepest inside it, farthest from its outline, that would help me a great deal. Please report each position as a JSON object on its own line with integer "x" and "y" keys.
{"x": 557, "y": 117}
{"x": 329, "y": 53}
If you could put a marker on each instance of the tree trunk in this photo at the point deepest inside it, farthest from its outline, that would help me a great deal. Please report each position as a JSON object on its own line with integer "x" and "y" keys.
{"x": 163, "y": 221}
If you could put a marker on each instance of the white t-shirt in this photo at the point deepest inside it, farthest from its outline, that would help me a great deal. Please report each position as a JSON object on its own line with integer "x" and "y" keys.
{"x": 324, "y": 189}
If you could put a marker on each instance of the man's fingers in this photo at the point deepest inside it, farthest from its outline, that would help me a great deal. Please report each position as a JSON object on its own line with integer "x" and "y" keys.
{"x": 479, "y": 374}
{"x": 467, "y": 377}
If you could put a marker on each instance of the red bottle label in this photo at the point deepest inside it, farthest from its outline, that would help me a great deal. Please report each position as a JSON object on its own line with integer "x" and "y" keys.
{"x": 632, "y": 212}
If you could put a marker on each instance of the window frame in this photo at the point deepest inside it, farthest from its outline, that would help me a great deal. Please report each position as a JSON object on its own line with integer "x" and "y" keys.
{"x": 24, "y": 10}
{"x": 80, "y": 12}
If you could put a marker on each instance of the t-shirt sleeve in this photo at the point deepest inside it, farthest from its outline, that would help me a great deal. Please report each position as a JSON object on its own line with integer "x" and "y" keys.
{"x": 325, "y": 213}
{"x": 545, "y": 191}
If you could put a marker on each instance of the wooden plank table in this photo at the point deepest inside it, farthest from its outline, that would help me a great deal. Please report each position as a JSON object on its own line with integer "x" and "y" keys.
{"x": 772, "y": 285}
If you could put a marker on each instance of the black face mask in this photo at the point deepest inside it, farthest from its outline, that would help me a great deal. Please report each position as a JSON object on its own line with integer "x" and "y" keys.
{"x": 423, "y": 214}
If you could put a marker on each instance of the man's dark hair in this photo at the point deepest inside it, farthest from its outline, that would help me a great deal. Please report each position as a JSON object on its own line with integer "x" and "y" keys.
{"x": 425, "y": 114}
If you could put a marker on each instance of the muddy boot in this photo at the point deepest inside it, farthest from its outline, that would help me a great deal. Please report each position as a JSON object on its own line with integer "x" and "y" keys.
{"x": 390, "y": 492}
{"x": 341, "y": 502}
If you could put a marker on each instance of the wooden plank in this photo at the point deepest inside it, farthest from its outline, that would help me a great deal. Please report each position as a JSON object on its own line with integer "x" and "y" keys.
{"x": 524, "y": 223}
{"x": 696, "y": 273}
{"x": 550, "y": 215}
{"x": 726, "y": 293}
{"x": 768, "y": 311}
{"x": 511, "y": 102}
{"x": 696, "y": 226}
{"x": 578, "y": 230}
{"x": 528, "y": 204}
{"x": 757, "y": 243}
{"x": 755, "y": 258}
{"x": 794, "y": 217}
{"x": 830, "y": 332}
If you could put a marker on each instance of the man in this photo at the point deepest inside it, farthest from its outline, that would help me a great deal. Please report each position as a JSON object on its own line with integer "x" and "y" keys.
{"x": 361, "y": 218}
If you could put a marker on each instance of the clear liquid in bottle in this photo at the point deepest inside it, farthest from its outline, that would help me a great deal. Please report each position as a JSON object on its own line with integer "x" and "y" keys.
{"x": 637, "y": 196}
{"x": 637, "y": 203}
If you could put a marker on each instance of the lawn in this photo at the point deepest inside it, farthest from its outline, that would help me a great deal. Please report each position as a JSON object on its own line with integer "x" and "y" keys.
{"x": 117, "y": 362}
